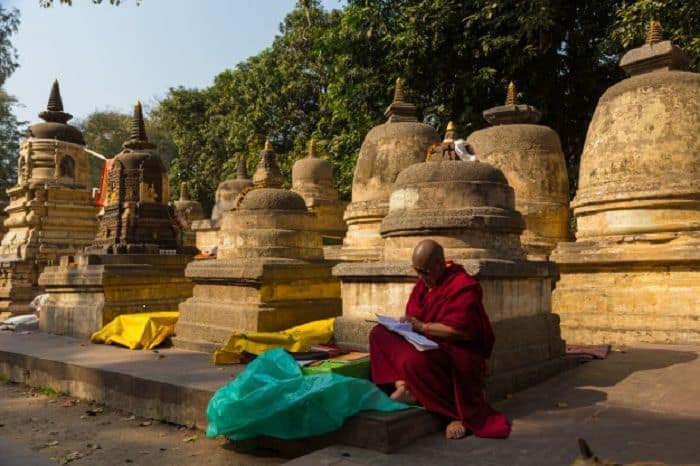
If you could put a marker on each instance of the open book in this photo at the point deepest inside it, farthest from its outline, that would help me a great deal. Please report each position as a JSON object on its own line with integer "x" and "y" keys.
{"x": 405, "y": 329}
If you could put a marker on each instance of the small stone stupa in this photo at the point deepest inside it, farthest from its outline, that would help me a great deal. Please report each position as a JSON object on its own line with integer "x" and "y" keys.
{"x": 633, "y": 274}
{"x": 386, "y": 150}
{"x": 187, "y": 211}
{"x": 530, "y": 156}
{"x": 50, "y": 211}
{"x": 134, "y": 264}
{"x": 207, "y": 230}
{"x": 312, "y": 178}
{"x": 468, "y": 207}
{"x": 269, "y": 273}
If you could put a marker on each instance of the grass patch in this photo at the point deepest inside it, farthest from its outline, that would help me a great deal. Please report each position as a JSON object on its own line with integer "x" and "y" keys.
{"x": 4, "y": 378}
{"x": 48, "y": 391}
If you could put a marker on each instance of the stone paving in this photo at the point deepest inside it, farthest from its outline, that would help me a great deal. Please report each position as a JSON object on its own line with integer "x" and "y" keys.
{"x": 634, "y": 406}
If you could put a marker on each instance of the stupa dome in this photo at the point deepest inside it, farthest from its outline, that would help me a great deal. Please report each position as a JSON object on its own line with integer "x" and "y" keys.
{"x": 272, "y": 199}
{"x": 468, "y": 206}
{"x": 55, "y": 121}
{"x": 640, "y": 168}
{"x": 312, "y": 170}
{"x": 389, "y": 148}
{"x": 530, "y": 156}
{"x": 228, "y": 190}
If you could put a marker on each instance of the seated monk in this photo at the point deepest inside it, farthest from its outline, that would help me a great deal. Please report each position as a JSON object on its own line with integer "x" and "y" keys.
{"x": 445, "y": 306}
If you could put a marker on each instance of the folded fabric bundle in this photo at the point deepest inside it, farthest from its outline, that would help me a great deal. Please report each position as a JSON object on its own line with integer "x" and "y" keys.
{"x": 142, "y": 330}
{"x": 299, "y": 338}
{"x": 272, "y": 397}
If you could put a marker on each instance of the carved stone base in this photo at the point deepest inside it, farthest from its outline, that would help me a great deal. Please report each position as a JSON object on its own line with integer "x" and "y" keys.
{"x": 267, "y": 294}
{"x": 18, "y": 286}
{"x": 626, "y": 291}
{"x": 88, "y": 291}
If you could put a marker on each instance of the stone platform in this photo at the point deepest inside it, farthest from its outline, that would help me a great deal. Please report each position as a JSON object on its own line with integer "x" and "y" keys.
{"x": 89, "y": 291}
{"x": 640, "y": 405}
{"x": 175, "y": 385}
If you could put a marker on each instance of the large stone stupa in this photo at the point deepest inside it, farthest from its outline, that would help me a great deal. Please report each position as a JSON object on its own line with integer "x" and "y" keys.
{"x": 386, "y": 150}
{"x": 312, "y": 179}
{"x": 134, "y": 264}
{"x": 50, "y": 211}
{"x": 269, "y": 273}
{"x": 633, "y": 274}
{"x": 469, "y": 208}
{"x": 207, "y": 230}
{"x": 530, "y": 156}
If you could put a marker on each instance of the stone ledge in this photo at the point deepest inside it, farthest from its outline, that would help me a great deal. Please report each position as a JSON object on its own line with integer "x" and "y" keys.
{"x": 478, "y": 268}
{"x": 177, "y": 389}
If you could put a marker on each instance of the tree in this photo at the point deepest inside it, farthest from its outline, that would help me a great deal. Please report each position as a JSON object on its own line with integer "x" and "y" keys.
{"x": 330, "y": 74}
{"x": 9, "y": 132}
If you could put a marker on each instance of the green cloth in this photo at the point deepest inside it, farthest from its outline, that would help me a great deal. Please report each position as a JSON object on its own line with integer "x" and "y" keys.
{"x": 272, "y": 397}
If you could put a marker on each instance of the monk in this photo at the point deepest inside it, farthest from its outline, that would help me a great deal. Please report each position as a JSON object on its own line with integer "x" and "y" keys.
{"x": 445, "y": 306}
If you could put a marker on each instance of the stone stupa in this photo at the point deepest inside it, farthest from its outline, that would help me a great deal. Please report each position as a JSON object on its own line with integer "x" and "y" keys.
{"x": 269, "y": 273}
{"x": 187, "y": 211}
{"x": 312, "y": 179}
{"x": 135, "y": 263}
{"x": 207, "y": 230}
{"x": 633, "y": 273}
{"x": 469, "y": 208}
{"x": 387, "y": 149}
{"x": 530, "y": 156}
{"x": 50, "y": 211}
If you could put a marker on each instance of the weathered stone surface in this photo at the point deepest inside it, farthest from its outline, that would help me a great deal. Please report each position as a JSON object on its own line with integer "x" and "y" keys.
{"x": 312, "y": 178}
{"x": 87, "y": 294}
{"x": 386, "y": 150}
{"x": 50, "y": 211}
{"x": 532, "y": 160}
{"x": 468, "y": 207}
{"x": 228, "y": 190}
{"x": 137, "y": 218}
{"x": 633, "y": 274}
{"x": 269, "y": 273}
{"x": 256, "y": 294}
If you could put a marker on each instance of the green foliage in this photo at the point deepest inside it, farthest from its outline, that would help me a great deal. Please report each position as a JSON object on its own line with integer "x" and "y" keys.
{"x": 680, "y": 20}
{"x": 330, "y": 75}
{"x": 3, "y": 377}
{"x": 9, "y": 126}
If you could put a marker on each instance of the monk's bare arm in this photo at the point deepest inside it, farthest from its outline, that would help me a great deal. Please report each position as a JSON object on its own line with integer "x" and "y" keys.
{"x": 436, "y": 329}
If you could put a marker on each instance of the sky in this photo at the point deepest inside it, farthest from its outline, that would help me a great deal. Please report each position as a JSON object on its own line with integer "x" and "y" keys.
{"x": 107, "y": 57}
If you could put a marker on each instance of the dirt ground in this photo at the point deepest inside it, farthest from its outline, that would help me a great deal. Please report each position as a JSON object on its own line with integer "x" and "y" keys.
{"x": 71, "y": 431}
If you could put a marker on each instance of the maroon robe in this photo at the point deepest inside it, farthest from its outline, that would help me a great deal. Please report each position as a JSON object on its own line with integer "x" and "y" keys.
{"x": 449, "y": 380}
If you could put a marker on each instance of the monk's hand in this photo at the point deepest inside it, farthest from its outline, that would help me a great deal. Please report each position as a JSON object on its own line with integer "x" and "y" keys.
{"x": 417, "y": 324}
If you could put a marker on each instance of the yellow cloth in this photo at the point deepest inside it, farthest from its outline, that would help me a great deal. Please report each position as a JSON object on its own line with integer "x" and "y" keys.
{"x": 143, "y": 330}
{"x": 298, "y": 338}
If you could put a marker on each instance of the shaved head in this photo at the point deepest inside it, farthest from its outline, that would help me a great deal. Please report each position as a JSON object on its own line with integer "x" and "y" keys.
{"x": 426, "y": 252}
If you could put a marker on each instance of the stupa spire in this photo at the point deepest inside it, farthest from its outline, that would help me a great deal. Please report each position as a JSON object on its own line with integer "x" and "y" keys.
{"x": 268, "y": 173}
{"x": 399, "y": 110}
{"x": 398, "y": 91}
{"x": 184, "y": 193}
{"x": 313, "y": 154}
{"x": 138, "y": 139}
{"x": 512, "y": 94}
{"x": 654, "y": 32}
{"x": 450, "y": 131}
{"x": 54, "y": 109}
{"x": 242, "y": 168}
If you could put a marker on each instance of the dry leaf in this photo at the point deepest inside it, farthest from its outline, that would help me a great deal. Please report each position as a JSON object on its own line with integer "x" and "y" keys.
{"x": 562, "y": 404}
{"x": 146, "y": 423}
{"x": 94, "y": 446}
{"x": 190, "y": 439}
{"x": 52, "y": 443}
